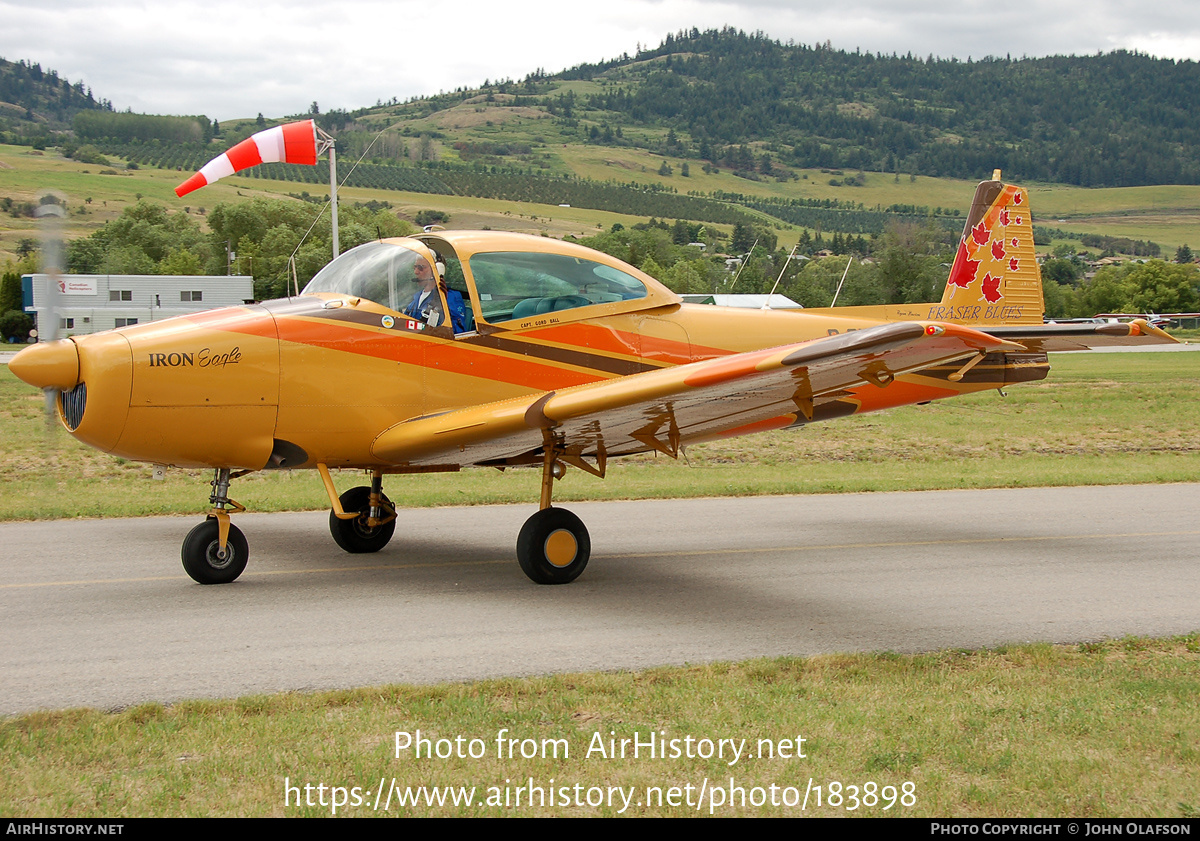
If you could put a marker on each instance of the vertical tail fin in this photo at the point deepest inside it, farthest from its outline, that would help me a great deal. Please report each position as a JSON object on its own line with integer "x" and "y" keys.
{"x": 995, "y": 278}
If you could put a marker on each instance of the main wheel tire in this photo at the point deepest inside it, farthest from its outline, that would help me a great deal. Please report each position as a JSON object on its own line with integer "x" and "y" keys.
{"x": 355, "y": 535}
{"x": 201, "y": 553}
{"x": 553, "y": 546}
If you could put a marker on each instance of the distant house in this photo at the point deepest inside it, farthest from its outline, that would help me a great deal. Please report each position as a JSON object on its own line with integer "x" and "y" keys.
{"x": 94, "y": 303}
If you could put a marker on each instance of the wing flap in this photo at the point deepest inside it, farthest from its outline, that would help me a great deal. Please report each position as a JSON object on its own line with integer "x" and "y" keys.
{"x": 669, "y": 407}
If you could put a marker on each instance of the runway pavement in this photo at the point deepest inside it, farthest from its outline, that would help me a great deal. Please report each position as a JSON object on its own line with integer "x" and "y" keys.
{"x": 100, "y": 613}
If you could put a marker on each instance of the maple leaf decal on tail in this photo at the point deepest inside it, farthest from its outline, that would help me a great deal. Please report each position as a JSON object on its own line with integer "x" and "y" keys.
{"x": 991, "y": 288}
{"x": 1013, "y": 264}
{"x": 964, "y": 270}
{"x": 980, "y": 234}
{"x": 998, "y": 250}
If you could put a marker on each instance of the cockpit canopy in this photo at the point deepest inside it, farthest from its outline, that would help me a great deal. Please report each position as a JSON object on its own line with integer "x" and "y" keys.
{"x": 503, "y": 279}
{"x": 514, "y": 285}
{"x": 382, "y": 272}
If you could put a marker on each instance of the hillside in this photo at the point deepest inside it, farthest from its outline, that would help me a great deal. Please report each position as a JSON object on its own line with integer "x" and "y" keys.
{"x": 760, "y": 108}
{"x": 1115, "y": 119}
{"x": 35, "y": 103}
{"x": 754, "y": 106}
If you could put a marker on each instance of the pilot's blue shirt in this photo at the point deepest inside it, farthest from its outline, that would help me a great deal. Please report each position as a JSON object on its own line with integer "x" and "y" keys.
{"x": 454, "y": 299}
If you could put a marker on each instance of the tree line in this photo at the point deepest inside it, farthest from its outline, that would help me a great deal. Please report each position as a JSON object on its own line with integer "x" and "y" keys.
{"x": 907, "y": 263}
{"x": 257, "y": 237}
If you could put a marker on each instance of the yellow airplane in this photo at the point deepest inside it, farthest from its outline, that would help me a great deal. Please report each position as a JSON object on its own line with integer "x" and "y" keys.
{"x": 451, "y": 349}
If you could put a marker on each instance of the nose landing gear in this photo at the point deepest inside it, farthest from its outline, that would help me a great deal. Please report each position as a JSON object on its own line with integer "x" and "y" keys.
{"x": 204, "y": 558}
{"x": 215, "y": 552}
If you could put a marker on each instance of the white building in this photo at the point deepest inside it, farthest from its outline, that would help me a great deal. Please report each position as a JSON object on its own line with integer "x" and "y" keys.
{"x": 777, "y": 302}
{"x": 94, "y": 303}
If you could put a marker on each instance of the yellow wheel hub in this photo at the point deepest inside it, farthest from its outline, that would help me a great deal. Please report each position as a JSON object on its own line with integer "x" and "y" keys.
{"x": 561, "y": 548}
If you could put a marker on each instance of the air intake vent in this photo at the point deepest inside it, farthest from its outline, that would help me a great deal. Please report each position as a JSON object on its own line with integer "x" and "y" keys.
{"x": 73, "y": 403}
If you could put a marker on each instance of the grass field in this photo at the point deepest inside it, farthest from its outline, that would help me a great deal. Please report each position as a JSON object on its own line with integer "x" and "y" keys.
{"x": 1105, "y": 729}
{"x": 1169, "y": 215}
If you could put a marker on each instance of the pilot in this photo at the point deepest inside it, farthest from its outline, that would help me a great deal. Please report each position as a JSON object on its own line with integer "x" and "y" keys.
{"x": 426, "y": 302}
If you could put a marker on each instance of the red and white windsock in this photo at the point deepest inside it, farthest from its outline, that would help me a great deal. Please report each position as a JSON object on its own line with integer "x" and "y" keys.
{"x": 293, "y": 143}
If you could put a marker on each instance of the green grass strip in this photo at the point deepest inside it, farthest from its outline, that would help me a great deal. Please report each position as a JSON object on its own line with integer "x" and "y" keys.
{"x": 1105, "y": 729}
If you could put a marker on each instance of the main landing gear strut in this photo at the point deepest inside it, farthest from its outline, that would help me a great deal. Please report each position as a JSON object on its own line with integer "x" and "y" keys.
{"x": 553, "y": 546}
{"x": 363, "y": 520}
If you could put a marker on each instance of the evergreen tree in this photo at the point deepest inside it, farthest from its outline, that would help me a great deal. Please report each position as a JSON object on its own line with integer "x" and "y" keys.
{"x": 743, "y": 238}
{"x": 10, "y": 292}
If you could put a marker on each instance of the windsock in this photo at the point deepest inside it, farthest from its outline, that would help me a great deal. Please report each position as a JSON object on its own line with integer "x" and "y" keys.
{"x": 293, "y": 143}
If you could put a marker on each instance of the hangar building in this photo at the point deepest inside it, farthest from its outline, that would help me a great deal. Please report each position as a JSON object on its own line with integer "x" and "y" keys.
{"x": 94, "y": 303}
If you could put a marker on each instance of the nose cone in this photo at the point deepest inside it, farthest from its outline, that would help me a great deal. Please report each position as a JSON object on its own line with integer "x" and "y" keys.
{"x": 48, "y": 365}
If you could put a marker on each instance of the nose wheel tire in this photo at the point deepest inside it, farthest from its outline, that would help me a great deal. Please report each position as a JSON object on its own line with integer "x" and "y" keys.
{"x": 202, "y": 556}
{"x": 357, "y": 536}
{"x": 553, "y": 546}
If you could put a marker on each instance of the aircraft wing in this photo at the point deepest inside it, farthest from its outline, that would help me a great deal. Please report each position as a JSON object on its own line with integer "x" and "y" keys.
{"x": 671, "y": 407}
{"x": 1044, "y": 338}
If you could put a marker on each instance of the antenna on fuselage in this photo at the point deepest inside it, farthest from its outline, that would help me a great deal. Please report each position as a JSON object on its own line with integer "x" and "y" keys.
{"x": 767, "y": 303}
{"x": 838, "y": 291}
{"x": 738, "y": 273}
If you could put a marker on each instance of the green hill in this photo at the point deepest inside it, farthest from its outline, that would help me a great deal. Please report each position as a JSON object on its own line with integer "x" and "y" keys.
{"x": 1115, "y": 119}
{"x": 36, "y": 104}
{"x": 759, "y": 108}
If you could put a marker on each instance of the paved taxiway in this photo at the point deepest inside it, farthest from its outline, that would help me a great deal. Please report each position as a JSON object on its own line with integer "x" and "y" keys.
{"x": 100, "y": 613}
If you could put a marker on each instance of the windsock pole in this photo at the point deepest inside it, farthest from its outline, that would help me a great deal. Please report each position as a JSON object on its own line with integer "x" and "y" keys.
{"x": 325, "y": 143}
{"x": 333, "y": 196}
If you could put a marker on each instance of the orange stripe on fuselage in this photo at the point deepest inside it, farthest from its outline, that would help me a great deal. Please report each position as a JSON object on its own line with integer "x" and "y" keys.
{"x": 395, "y": 346}
{"x": 439, "y": 354}
{"x": 253, "y": 322}
{"x": 604, "y": 339}
{"x": 642, "y": 346}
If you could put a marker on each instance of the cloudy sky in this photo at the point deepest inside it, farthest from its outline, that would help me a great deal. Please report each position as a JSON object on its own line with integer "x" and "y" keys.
{"x": 232, "y": 59}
